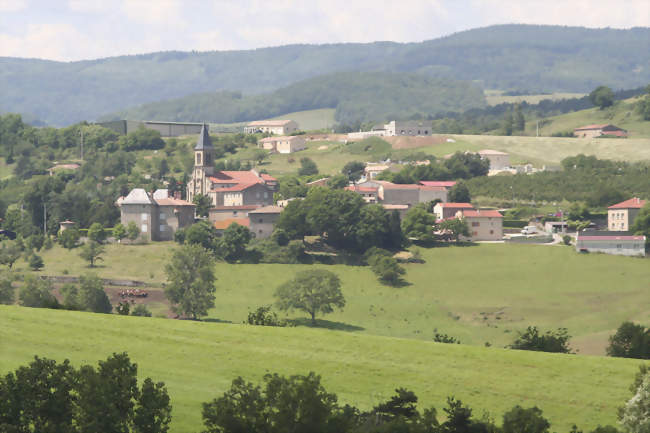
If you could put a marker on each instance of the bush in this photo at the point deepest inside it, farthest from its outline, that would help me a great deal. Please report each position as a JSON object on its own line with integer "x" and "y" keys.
{"x": 551, "y": 341}
{"x": 630, "y": 341}
{"x": 444, "y": 338}
{"x": 37, "y": 293}
{"x": 69, "y": 238}
{"x": 35, "y": 262}
{"x": 263, "y": 316}
{"x": 566, "y": 239}
{"x": 387, "y": 270}
{"x": 123, "y": 308}
{"x": 141, "y": 310}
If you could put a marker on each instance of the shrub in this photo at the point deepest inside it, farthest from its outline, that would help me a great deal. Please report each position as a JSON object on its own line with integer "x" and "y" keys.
{"x": 566, "y": 239}
{"x": 69, "y": 238}
{"x": 123, "y": 308}
{"x": 531, "y": 339}
{"x": 630, "y": 341}
{"x": 444, "y": 338}
{"x": 37, "y": 293}
{"x": 263, "y": 316}
{"x": 35, "y": 262}
{"x": 141, "y": 310}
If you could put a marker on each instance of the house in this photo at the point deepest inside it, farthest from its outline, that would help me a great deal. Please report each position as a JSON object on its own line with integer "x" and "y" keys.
{"x": 620, "y": 216}
{"x": 370, "y": 194}
{"x": 498, "y": 160}
{"x": 446, "y": 184}
{"x": 319, "y": 182}
{"x": 283, "y": 143}
{"x": 219, "y": 213}
{"x": 263, "y": 220}
{"x": 595, "y": 131}
{"x": 157, "y": 215}
{"x": 618, "y": 243}
{"x": 484, "y": 225}
{"x": 411, "y": 127}
{"x": 372, "y": 170}
{"x": 227, "y": 188}
{"x": 449, "y": 210}
{"x": 383, "y": 192}
{"x": 223, "y": 224}
{"x": 277, "y": 127}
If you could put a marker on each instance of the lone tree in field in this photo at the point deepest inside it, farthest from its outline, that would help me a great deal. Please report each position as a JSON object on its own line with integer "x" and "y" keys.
{"x": 602, "y": 97}
{"x": 190, "y": 281}
{"x": 91, "y": 252}
{"x": 314, "y": 292}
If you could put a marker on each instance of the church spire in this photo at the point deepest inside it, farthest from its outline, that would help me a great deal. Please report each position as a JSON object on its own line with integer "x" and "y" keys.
{"x": 204, "y": 141}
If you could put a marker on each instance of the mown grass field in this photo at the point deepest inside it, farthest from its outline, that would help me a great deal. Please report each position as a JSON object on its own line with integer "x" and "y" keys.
{"x": 478, "y": 294}
{"x": 198, "y": 360}
{"x": 496, "y": 97}
{"x": 310, "y": 120}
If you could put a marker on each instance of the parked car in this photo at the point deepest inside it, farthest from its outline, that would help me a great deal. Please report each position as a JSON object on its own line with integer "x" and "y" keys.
{"x": 529, "y": 230}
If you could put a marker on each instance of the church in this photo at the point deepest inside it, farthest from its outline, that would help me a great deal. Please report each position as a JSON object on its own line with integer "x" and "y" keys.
{"x": 227, "y": 189}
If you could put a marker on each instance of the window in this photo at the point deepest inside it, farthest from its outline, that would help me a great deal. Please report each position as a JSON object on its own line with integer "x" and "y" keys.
{"x": 234, "y": 213}
{"x": 143, "y": 228}
{"x": 266, "y": 194}
{"x": 619, "y": 246}
{"x": 261, "y": 220}
{"x": 163, "y": 216}
{"x": 474, "y": 233}
{"x": 491, "y": 232}
{"x": 143, "y": 217}
{"x": 162, "y": 227}
{"x": 257, "y": 194}
{"x": 198, "y": 159}
{"x": 475, "y": 224}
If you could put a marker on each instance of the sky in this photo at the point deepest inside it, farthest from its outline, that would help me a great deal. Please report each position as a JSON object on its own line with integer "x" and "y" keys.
{"x": 69, "y": 30}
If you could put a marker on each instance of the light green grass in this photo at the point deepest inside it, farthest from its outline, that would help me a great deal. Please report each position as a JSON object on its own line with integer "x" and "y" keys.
{"x": 197, "y": 361}
{"x": 310, "y": 120}
{"x": 6, "y": 170}
{"x": 479, "y": 294}
{"x": 496, "y": 97}
{"x": 622, "y": 114}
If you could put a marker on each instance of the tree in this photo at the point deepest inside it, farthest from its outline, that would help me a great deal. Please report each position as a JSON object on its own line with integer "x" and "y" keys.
{"x": 119, "y": 232}
{"x": 36, "y": 293}
{"x": 395, "y": 236}
{"x": 190, "y": 281}
{"x": 203, "y": 204}
{"x": 153, "y": 410}
{"x": 92, "y": 251}
{"x": 338, "y": 181}
{"x": 141, "y": 310}
{"x": 232, "y": 245}
{"x": 418, "y": 224}
{"x": 69, "y": 238}
{"x": 354, "y": 170}
{"x": 97, "y": 233}
{"x": 602, "y": 97}
{"x": 307, "y": 167}
{"x": 316, "y": 291}
{"x": 519, "y": 120}
{"x": 520, "y": 420}
{"x": 7, "y": 295}
{"x": 132, "y": 231}
{"x": 457, "y": 227}
{"x": 9, "y": 253}
{"x": 641, "y": 225}
{"x": 387, "y": 269}
{"x": 35, "y": 262}
{"x": 202, "y": 233}
{"x": 630, "y": 341}
{"x": 372, "y": 229}
{"x": 459, "y": 193}
{"x": 531, "y": 339}
{"x": 635, "y": 414}
{"x": 259, "y": 155}
{"x": 508, "y": 123}
{"x": 91, "y": 295}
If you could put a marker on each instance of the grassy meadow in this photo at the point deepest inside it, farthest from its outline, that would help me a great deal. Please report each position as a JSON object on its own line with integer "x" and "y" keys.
{"x": 198, "y": 360}
{"x": 496, "y": 97}
{"x": 479, "y": 294}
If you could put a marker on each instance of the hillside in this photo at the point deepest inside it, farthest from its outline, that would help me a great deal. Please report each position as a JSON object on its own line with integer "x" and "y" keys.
{"x": 198, "y": 360}
{"x": 356, "y": 96}
{"x": 520, "y": 57}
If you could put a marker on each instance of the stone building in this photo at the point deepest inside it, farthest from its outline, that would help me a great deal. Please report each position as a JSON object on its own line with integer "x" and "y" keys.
{"x": 263, "y": 220}
{"x": 484, "y": 225}
{"x": 595, "y": 131}
{"x": 283, "y": 143}
{"x": 620, "y": 216}
{"x": 277, "y": 127}
{"x": 157, "y": 215}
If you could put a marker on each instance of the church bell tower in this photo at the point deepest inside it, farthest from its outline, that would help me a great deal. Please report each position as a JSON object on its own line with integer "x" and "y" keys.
{"x": 203, "y": 164}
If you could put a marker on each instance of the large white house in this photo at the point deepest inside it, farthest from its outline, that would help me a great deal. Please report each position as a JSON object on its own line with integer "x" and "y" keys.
{"x": 277, "y": 127}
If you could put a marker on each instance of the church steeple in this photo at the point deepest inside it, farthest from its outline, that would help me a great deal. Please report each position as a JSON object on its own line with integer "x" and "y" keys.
{"x": 203, "y": 151}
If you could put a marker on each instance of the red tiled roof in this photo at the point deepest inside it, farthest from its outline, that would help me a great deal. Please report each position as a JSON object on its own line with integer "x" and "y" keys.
{"x": 443, "y": 183}
{"x": 457, "y": 205}
{"x": 390, "y": 185}
{"x": 617, "y": 238}
{"x": 588, "y": 127}
{"x": 243, "y": 207}
{"x": 482, "y": 213}
{"x": 235, "y": 188}
{"x": 268, "y": 177}
{"x": 615, "y": 133}
{"x": 633, "y": 203}
{"x": 224, "y": 224}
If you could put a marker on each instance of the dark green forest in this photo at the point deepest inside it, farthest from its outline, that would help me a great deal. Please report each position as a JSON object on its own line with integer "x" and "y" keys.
{"x": 508, "y": 57}
{"x": 357, "y": 97}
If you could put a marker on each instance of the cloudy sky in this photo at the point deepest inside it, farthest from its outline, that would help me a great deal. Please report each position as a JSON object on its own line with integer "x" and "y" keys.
{"x": 87, "y": 29}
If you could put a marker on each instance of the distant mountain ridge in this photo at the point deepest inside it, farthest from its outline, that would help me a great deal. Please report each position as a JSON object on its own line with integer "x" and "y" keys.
{"x": 356, "y": 96}
{"x": 535, "y": 58}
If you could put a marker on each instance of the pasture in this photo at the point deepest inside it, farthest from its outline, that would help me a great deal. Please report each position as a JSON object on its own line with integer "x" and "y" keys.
{"x": 479, "y": 294}
{"x": 198, "y": 360}
{"x": 496, "y": 97}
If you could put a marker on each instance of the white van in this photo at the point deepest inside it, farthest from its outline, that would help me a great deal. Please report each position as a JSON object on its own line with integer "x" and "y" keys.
{"x": 529, "y": 230}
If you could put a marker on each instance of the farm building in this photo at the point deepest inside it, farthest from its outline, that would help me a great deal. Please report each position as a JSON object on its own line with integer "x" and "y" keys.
{"x": 449, "y": 210}
{"x": 594, "y": 131}
{"x": 620, "y": 216}
{"x": 498, "y": 160}
{"x": 484, "y": 225}
{"x": 618, "y": 243}
{"x": 263, "y": 220}
{"x": 283, "y": 143}
{"x": 411, "y": 127}
{"x": 276, "y": 127}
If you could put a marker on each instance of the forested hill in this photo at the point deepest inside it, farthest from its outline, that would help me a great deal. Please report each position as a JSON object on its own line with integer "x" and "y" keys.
{"x": 519, "y": 57}
{"x": 357, "y": 97}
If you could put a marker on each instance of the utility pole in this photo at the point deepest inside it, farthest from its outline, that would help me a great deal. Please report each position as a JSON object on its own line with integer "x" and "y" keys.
{"x": 44, "y": 219}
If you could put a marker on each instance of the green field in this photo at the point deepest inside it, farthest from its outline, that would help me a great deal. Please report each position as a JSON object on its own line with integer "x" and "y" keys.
{"x": 310, "y": 120}
{"x": 621, "y": 114}
{"x": 478, "y": 294}
{"x": 197, "y": 361}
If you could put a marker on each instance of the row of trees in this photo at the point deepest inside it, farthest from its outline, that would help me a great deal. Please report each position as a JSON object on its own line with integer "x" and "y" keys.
{"x": 460, "y": 165}
{"x": 47, "y": 396}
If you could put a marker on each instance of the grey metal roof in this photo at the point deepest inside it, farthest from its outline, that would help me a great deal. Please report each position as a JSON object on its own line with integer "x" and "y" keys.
{"x": 204, "y": 141}
{"x": 137, "y": 196}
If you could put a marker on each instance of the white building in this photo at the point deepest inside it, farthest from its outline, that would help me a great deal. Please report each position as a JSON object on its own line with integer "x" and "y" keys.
{"x": 283, "y": 143}
{"x": 277, "y": 127}
{"x": 410, "y": 127}
{"x": 617, "y": 243}
{"x": 498, "y": 160}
